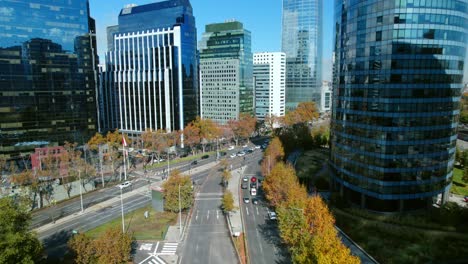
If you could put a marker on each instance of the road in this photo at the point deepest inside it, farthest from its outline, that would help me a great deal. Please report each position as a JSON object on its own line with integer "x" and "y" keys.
{"x": 263, "y": 241}
{"x": 49, "y": 214}
{"x": 208, "y": 238}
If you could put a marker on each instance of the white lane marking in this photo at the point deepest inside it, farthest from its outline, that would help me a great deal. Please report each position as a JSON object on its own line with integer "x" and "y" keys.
{"x": 196, "y": 216}
{"x": 156, "y": 248}
{"x": 257, "y": 211}
{"x": 208, "y": 215}
{"x": 151, "y": 254}
{"x": 217, "y": 216}
{"x": 247, "y": 210}
{"x": 146, "y": 246}
{"x": 160, "y": 261}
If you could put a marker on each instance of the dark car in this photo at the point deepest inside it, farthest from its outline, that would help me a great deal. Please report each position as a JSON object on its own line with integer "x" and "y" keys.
{"x": 194, "y": 162}
{"x": 205, "y": 156}
{"x": 254, "y": 200}
{"x": 253, "y": 185}
{"x": 244, "y": 185}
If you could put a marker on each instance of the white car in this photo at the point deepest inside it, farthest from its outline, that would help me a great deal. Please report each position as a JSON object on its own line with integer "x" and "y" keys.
{"x": 241, "y": 153}
{"x": 253, "y": 191}
{"x": 231, "y": 148}
{"x": 257, "y": 146}
{"x": 124, "y": 185}
{"x": 272, "y": 215}
{"x": 245, "y": 146}
{"x": 233, "y": 155}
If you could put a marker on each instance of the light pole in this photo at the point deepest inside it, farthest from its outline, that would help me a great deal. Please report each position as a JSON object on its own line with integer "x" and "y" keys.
{"x": 217, "y": 149}
{"x": 100, "y": 164}
{"x": 180, "y": 218}
{"x": 81, "y": 192}
{"x": 121, "y": 205}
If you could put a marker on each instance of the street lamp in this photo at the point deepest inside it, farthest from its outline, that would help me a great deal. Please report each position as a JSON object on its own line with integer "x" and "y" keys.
{"x": 81, "y": 192}
{"x": 180, "y": 218}
{"x": 121, "y": 205}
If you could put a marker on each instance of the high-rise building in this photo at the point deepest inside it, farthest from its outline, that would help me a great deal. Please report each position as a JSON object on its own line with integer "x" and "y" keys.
{"x": 48, "y": 66}
{"x": 269, "y": 71}
{"x": 396, "y": 100}
{"x": 326, "y": 97}
{"x": 226, "y": 71}
{"x": 151, "y": 71}
{"x": 302, "y": 43}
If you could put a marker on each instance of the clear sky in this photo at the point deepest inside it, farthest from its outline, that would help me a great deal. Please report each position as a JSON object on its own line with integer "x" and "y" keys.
{"x": 261, "y": 17}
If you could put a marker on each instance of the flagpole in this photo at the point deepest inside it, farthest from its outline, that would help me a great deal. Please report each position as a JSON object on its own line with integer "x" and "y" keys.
{"x": 124, "y": 143}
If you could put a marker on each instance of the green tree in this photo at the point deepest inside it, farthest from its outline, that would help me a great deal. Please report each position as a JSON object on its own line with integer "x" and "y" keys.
{"x": 83, "y": 249}
{"x": 228, "y": 201}
{"x": 465, "y": 174}
{"x": 171, "y": 192}
{"x": 17, "y": 243}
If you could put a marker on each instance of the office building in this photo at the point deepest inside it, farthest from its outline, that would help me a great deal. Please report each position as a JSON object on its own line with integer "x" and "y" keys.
{"x": 226, "y": 71}
{"x": 396, "y": 100}
{"x": 151, "y": 71}
{"x": 302, "y": 43}
{"x": 326, "y": 97}
{"x": 269, "y": 71}
{"x": 48, "y": 74}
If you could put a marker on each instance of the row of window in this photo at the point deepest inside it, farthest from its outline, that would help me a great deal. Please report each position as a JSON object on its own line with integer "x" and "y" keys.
{"x": 398, "y": 93}
{"x": 366, "y": 78}
{"x": 396, "y": 107}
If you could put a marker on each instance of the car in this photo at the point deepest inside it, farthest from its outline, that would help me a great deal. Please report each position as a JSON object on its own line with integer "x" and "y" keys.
{"x": 244, "y": 146}
{"x": 465, "y": 199}
{"x": 253, "y": 191}
{"x": 253, "y": 179}
{"x": 233, "y": 155}
{"x": 195, "y": 162}
{"x": 245, "y": 179}
{"x": 254, "y": 200}
{"x": 253, "y": 185}
{"x": 231, "y": 147}
{"x": 241, "y": 153}
{"x": 249, "y": 151}
{"x": 205, "y": 156}
{"x": 272, "y": 215}
{"x": 246, "y": 200}
{"x": 244, "y": 185}
{"x": 124, "y": 184}
{"x": 257, "y": 146}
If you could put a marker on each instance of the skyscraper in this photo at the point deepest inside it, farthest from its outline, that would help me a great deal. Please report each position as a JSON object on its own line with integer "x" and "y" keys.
{"x": 48, "y": 65}
{"x": 226, "y": 71}
{"x": 151, "y": 68}
{"x": 269, "y": 71}
{"x": 302, "y": 43}
{"x": 397, "y": 83}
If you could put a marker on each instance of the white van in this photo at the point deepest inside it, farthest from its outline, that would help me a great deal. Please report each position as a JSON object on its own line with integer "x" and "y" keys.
{"x": 253, "y": 191}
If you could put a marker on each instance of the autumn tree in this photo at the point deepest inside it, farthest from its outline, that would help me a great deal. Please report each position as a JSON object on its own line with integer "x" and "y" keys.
{"x": 273, "y": 154}
{"x": 17, "y": 243}
{"x": 226, "y": 175}
{"x": 304, "y": 112}
{"x": 171, "y": 192}
{"x": 278, "y": 182}
{"x": 95, "y": 141}
{"x": 155, "y": 141}
{"x": 208, "y": 131}
{"x": 191, "y": 136}
{"x": 270, "y": 122}
{"x": 228, "y": 201}
{"x": 83, "y": 249}
{"x": 113, "y": 247}
{"x": 114, "y": 142}
{"x": 242, "y": 127}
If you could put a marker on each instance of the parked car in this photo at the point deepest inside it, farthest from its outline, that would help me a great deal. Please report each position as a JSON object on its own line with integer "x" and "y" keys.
{"x": 205, "y": 156}
{"x": 244, "y": 146}
{"x": 124, "y": 184}
{"x": 246, "y": 200}
{"x": 233, "y": 155}
{"x": 241, "y": 153}
{"x": 231, "y": 147}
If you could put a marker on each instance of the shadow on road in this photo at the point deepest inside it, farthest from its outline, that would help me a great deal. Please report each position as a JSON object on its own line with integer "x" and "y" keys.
{"x": 269, "y": 231}
{"x": 56, "y": 246}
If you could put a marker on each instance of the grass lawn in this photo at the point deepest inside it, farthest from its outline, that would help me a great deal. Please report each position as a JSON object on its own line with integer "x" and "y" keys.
{"x": 389, "y": 243}
{"x": 458, "y": 186}
{"x": 309, "y": 166}
{"x": 153, "y": 228}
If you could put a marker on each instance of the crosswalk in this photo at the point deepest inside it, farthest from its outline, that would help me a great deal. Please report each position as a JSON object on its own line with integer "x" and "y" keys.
{"x": 155, "y": 256}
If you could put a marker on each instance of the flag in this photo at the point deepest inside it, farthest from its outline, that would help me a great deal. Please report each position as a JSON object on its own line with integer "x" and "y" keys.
{"x": 124, "y": 142}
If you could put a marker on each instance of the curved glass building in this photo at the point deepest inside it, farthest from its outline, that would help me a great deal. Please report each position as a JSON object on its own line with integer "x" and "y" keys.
{"x": 398, "y": 76}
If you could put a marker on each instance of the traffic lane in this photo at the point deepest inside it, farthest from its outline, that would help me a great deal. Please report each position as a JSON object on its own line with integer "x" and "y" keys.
{"x": 48, "y": 215}
{"x": 55, "y": 241}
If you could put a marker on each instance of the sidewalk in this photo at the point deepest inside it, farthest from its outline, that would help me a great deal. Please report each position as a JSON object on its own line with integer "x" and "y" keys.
{"x": 235, "y": 218}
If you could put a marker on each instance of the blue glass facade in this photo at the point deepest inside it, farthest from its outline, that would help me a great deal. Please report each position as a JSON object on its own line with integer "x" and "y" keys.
{"x": 152, "y": 68}
{"x": 302, "y": 43}
{"x": 47, "y": 74}
{"x": 396, "y": 90}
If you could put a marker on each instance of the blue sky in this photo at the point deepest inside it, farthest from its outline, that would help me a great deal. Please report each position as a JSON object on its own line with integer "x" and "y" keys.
{"x": 261, "y": 17}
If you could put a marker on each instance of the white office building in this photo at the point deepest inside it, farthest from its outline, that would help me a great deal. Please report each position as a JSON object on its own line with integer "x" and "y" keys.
{"x": 326, "y": 97}
{"x": 269, "y": 71}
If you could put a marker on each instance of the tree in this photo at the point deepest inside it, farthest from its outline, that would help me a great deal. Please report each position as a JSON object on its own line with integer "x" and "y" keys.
{"x": 113, "y": 247}
{"x": 83, "y": 249}
{"x": 304, "y": 112}
{"x": 465, "y": 174}
{"x": 17, "y": 243}
{"x": 95, "y": 141}
{"x": 226, "y": 176}
{"x": 156, "y": 141}
{"x": 243, "y": 127}
{"x": 228, "y": 201}
{"x": 278, "y": 182}
{"x": 171, "y": 192}
{"x": 273, "y": 154}
{"x": 191, "y": 136}
{"x": 208, "y": 131}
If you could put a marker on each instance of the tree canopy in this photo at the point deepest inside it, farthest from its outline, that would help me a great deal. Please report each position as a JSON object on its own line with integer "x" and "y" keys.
{"x": 171, "y": 192}
{"x": 17, "y": 243}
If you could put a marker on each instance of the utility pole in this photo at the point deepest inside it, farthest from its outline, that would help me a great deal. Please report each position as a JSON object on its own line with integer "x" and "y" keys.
{"x": 81, "y": 192}
{"x": 100, "y": 164}
{"x": 121, "y": 205}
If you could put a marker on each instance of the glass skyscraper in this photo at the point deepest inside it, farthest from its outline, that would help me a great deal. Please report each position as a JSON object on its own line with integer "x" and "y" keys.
{"x": 151, "y": 75}
{"x": 396, "y": 93}
{"x": 226, "y": 71}
{"x": 302, "y": 43}
{"x": 47, "y": 74}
